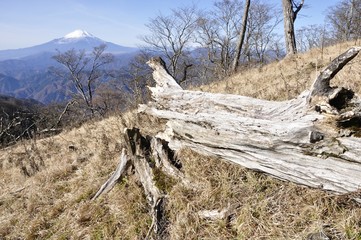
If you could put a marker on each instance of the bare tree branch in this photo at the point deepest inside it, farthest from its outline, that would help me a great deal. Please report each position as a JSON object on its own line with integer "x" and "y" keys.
{"x": 85, "y": 70}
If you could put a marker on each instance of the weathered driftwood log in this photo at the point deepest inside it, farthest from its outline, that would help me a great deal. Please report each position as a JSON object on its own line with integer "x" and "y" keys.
{"x": 311, "y": 140}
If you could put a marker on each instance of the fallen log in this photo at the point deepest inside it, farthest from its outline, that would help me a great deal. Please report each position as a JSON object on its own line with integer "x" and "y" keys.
{"x": 311, "y": 140}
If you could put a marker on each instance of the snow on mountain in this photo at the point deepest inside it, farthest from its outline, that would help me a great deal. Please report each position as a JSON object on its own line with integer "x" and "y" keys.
{"x": 78, "y": 39}
{"x": 78, "y": 34}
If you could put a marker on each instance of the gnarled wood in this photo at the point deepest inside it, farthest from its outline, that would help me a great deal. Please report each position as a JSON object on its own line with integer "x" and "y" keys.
{"x": 291, "y": 140}
{"x": 140, "y": 150}
{"x": 321, "y": 85}
{"x": 162, "y": 155}
{"x": 109, "y": 184}
{"x": 145, "y": 154}
{"x": 311, "y": 140}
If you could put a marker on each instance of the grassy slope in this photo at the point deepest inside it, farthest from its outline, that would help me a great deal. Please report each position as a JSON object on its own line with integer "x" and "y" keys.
{"x": 287, "y": 78}
{"x": 45, "y": 185}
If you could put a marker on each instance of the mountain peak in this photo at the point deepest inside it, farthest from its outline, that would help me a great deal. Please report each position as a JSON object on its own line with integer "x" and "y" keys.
{"x": 78, "y": 39}
{"x": 78, "y": 34}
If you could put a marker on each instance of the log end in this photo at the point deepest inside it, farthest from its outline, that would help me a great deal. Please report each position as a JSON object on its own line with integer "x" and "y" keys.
{"x": 156, "y": 63}
{"x": 164, "y": 80}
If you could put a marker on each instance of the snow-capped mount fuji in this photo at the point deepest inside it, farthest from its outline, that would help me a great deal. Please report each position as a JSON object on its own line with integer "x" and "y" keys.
{"x": 78, "y": 34}
{"x": 78, "y": 39}
{"x": 24, "y": 73}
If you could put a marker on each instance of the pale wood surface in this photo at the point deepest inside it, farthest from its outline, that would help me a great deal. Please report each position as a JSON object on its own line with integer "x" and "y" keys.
{"x": 112, "y": 180}
{"x": 289, "y": 140}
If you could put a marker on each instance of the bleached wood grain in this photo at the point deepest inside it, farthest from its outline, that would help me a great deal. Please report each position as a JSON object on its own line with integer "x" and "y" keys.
{"x": 268, "y": 136}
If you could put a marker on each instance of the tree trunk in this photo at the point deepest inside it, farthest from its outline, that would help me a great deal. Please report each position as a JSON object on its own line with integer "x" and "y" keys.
{"x": 311, "y": 140}
{"x": 241, "y": 36}
{"x": 289, "y": 17}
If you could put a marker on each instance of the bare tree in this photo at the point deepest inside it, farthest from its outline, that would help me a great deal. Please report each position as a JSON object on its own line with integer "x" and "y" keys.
{"x": 140, "y": 77}
{"x": 171, "y": 35}
{"x": 85, "y": 70}
{"x": 345, "y": 19}
{"x": 290, "y": 10}
{"x": 262, "y": 21}
{"x": 218, "y": 30}
{"x": 312, "y": 36}
{"x": 111, "y": 97}
{"x": 242, "y": 34}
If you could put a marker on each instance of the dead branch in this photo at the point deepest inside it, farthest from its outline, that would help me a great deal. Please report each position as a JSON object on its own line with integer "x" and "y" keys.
{"x": 218, "y": 214}
{"x": 109, "y": 184}
{"x": 321, "y": 86}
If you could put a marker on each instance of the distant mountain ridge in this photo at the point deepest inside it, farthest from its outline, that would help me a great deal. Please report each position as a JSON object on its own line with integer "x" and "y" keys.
{"x": 24, "y": 72}
{"x": 78, "y": 39}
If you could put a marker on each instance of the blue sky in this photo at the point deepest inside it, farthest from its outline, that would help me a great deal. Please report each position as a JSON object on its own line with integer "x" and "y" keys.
{"x": 24, "y": 23}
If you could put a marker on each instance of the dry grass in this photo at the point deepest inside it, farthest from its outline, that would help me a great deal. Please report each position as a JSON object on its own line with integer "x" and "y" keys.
{"x": 67, "y": 169}
{"x": 268, "y": 208}
{"x": 289, "y": 77}
{"x": 46, "y": 185}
